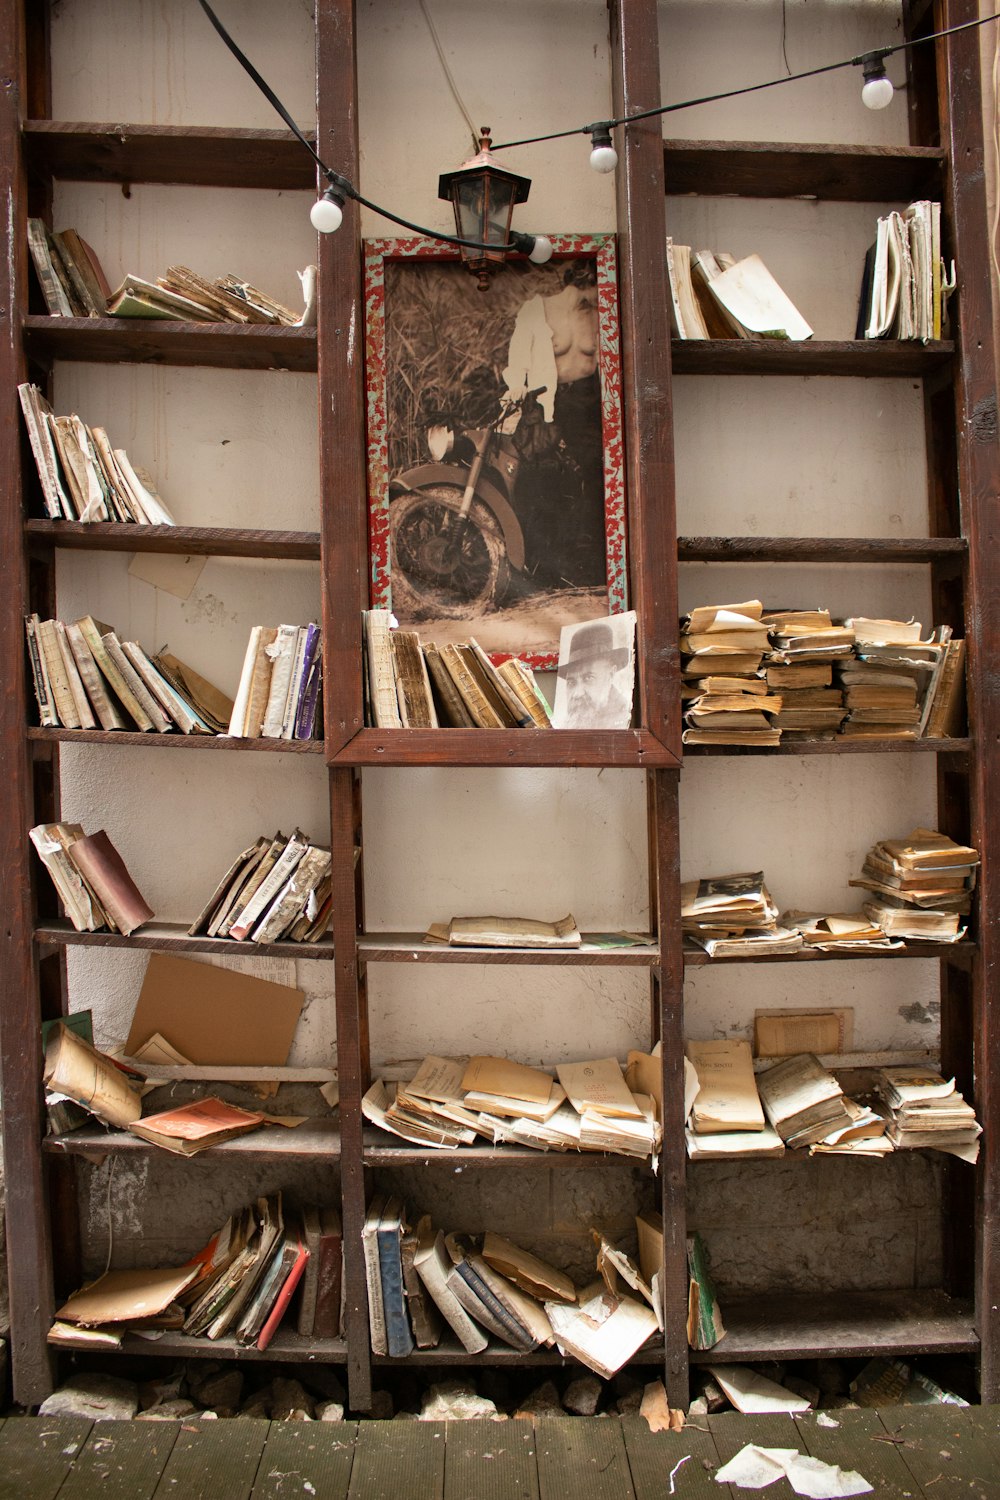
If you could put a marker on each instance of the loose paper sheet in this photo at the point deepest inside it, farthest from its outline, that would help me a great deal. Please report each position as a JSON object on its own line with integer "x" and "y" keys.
{"x": 122, "y": 1296}
{"x": 754, "y": 1468}
{"x": 213, "y": 1015}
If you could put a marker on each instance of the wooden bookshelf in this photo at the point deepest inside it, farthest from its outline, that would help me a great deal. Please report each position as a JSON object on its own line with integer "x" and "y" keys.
{"x": 318, "y": 1139}
{"x": 200, "y": 541}
{"x": 409, "y": 947}
{"x": 848, "y": 359}
{"x": 159, "y": 341}
{"x": 833, "y": 174}
{"x": 803, "y": 550}
{"x": 174, "y": 154}
{"x": 503, "y": 747}
{"x": 152, "y": 741}
{"x": 168, "y": 937}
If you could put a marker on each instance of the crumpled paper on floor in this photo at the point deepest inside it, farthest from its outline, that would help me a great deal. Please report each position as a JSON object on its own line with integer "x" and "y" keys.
{"x": 754, "y": 1468}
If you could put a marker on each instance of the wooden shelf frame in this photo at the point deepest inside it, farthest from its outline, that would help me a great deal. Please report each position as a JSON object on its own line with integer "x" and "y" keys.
{"x": 175, "y": 155}
{"x": 832, "y": 174}
{"x": 170, "y": 937}
{"x": 200, "y": 541}
{"x": 159, "y": 341}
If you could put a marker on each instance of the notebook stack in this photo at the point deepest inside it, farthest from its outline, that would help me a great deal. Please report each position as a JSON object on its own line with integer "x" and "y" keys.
{"x": 921, "y": 885}
{"x": 733, "y": 916}
{"x": 928, "y": 1110}
{"x": 886, "y": 686}
{"x": 277, "y": 890}
{"x": 726, "y": 700}
{"x": 805, "y": 644}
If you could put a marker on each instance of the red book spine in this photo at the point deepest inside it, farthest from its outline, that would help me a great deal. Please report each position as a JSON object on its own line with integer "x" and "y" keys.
{"x": 283, "y": 1298}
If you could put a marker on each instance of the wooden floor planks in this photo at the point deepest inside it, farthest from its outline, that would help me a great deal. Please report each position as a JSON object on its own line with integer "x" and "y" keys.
{"x": 905, "y": 1453}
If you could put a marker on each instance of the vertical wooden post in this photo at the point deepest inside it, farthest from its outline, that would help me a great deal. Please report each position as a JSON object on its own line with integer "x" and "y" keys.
{"x": 977, "y": 428}
{"x": 28, "y": 1250}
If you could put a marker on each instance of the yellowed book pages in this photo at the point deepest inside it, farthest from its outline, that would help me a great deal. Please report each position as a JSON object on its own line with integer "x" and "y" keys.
{"x": 644, "y": 1075}
{"x": 513, "y": 1080}
{"x": 598, "y": 1085}
{"x": 783, "y": 1033}
{"x": 712, "y": 617}
{"x": 74, "y": 1068}
{"x": 649, "y": 1233}
{"x": 438, "y": 1079}
{"x": 260, "y": 684}
{"x": 521, "y": 682}
{"x": 727, "y": 1098}
{"x": 603, "y": 1338}
{"x": 517, "y": 1109}
{"x": 520, "y": 1306}
{"x": 615, "y": 1267}
{"x": 513, "y": 932}
{"x": 471, "y": 693}
{"x": 55, "y": 667}
{"x": 532, "y": 1274}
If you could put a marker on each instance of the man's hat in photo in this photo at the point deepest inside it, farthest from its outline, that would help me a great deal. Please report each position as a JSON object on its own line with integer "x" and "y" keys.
{"x": 593, "y": 643}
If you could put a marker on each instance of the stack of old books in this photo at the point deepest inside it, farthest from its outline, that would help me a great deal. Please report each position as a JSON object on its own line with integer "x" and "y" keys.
{"x": 586, "y": 1106}
{"x": 727, "y": 702}
{"x": 422, "y": 1282}
{"x": 803, "y": 1101}
{"x": 886, "y": 686}
{"x": 280, "y": 691}
{"x": 838, "y": 932}
{"x": 83, "y": 478}
{"x": 185, "y": 296}
{"x": 241, "y": 1283}
{"x": 95, "y": 888}
{"x": 733, "y": 916}
{"x": 805, "y": 644}
{"x": 87, "y": 677}
{"x": 279, "y": 889}
{"x": 928, "y": 1110}
{"x": 922, "y": 885}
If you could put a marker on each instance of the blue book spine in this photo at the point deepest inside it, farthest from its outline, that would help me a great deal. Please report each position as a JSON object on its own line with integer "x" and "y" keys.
{"x": 399, "y": 1338}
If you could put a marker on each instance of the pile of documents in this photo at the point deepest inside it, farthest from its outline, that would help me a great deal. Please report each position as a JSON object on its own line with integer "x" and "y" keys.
{"x": 586, "y": 1106}
{"x": 928, "y": 1110}
{"x": 805, "y": 645}
{"x": 922, "y": 885}
{"x": 722, "y": 1107}
{"x": 733, "y": 916}
{"x": 889, "y": 687}
{"x": 422, "y": 1282}
{"x": 838, "y": 932}
{"x": 280, "y": 691}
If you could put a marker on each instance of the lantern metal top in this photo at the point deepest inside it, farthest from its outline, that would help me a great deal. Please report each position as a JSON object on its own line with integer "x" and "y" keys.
{"x": 484, "y": 161}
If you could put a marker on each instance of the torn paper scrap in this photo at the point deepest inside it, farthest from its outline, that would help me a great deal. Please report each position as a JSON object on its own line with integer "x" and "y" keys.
{"x": 754, "y": 1468}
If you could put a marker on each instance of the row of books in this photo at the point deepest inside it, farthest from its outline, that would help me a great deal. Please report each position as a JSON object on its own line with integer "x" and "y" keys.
{"x": 798, "y": 1103}
{"x": 84, "y": 478}
{"x": 280, "y": 691}
{"x": 86, "y": 677}
{"x": 906, "y": 285}
{"x": 421, "y": 1281}
{"x": 753, "y": 676}
{"x": 921, "y": 884}
{"x": 277, "y": 889}
{"x": 241, "y": 1283}
{"x": 73, "y": 285}
{"x": 715, "y": 296}
{"x": 581, "y": 1106}
{"x": 424, "y": 686}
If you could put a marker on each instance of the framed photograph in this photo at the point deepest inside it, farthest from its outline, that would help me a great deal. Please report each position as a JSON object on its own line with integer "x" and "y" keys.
{"x": 495, "y": 463}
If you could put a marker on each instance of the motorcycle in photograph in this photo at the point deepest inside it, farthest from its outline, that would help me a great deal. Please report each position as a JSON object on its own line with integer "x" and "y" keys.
{"x": 455, "y": 537}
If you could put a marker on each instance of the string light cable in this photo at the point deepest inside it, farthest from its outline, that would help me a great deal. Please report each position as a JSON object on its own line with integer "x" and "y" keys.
{"x": 327, "y": 212}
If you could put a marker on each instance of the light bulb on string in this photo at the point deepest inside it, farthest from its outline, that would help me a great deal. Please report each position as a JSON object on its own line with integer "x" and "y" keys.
{"x": 876, "y": 92}
{"x": 603, "y": 156}
{"x": 327, "y": 213}
{"x": 537, "y": 247}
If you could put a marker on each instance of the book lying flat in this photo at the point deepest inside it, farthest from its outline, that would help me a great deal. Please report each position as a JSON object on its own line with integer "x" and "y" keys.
{"x": 194, "y": 1127}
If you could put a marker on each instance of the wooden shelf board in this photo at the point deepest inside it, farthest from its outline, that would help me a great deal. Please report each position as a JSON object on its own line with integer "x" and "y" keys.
{"x": 504, "y": 747}
{"x": 409, "y": 947}
{"x": 876, "y": 358}
{"x": 811, "y": 549}
{"x": 285, "y": 1346}
{"x": 201, "y": 541}
{"x": 449, "y": 1352}
{"x": 842, "y": 1325}
{"x": 169, "y": 937}
{"x": 842, "y": 745}
{"x": 160, "y": 341}
{"x": 206, "y": 156}
{"x": 318, "y": 1138}
{"x": 382, "y": 1149}
{"x": 696, "y": 958}
{"x": 153, "y": 741}
{"x": 857, "y": 174}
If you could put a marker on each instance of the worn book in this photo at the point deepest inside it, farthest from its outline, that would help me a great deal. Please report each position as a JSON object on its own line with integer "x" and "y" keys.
{"x": 194, "y": 1127}
{"x": 433, "y": 1265}
{"x": 103, "y": 868}
{"x": 295, "y": 1259}
{"x": 451, "y": 710}
{"x": 413, "y": 687}
{"x": 74, "y": 1068}
{"x": 326, "y": 1322}
{"x": 603, "y": 1332}
{"x": 727, "y": 1098}
{"x": 513, "y": 932}
{"x": 598, "y": 1086}
{"x": 529, "y": 1272}
{"x": 381, "y": 672}
{"x": 802, "y": 1099}
{"x": 388, "y": 1234}
{"x": 425, "y": 1319}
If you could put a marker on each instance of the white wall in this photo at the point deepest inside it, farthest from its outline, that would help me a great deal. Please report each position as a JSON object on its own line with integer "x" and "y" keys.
{"x": 795, "y": 456}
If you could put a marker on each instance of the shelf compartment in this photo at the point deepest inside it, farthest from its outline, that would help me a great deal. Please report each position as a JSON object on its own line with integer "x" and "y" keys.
{"x": 207, "y": 156}
{"x": 159, "y": 341}
{"x": 382, "y": 1149}
{"x": 842, "y": 745}
{"x": 811, "y": 549}
{"x": 875, "y": 358}
{"x": 842, "y": 1325}
{"x": 504, "y": 747}
{"x": 697, "y": 958}
{"x": 285, "y": 1346}
{"x": 764, "y": 169}
{"x": 170, "y": 937}
{"x": 199, "y": 541}
{"x": 317, "y": 1139}
{"x": 409, "y": 947}
{"x": 178, "y": 741}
